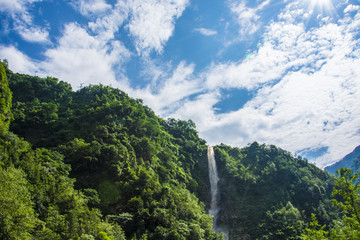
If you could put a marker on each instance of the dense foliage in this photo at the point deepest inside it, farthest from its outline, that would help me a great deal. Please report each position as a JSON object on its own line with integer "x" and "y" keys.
{"x": 37, "y": 197}
{"x": 349, "y": 226}
{"x": 97, "y": 164}
{"x": 5, "y": 100}
{"x": 266, "y": 193}
{"x": 126, "y": 161}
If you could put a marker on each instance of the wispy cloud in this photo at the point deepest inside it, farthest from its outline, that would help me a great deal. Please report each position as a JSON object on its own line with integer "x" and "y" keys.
{"x": 247, "y": 18}
{"x": 23, "y": 22}
{"x": 15, "y": 6}
{"x": 105, "y": 26}
{"x": 205, "y": 31}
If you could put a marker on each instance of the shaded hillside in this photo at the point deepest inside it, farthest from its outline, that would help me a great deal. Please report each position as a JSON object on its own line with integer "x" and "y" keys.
{"x": 349, "y": 161}
{"x": 149, "y": 176}
{"x": 266, "y": 193}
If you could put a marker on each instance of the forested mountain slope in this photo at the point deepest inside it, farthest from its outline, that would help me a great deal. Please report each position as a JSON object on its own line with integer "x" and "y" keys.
{"x": 266, "y": 193}
{"x": 121, "y": 155}
{"x": 148, "y": 176}
{"x": 352, "y": 160}
{"x": 37, "y": 197}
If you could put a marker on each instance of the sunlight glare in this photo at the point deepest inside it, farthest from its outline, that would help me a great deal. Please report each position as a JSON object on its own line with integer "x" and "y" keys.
{"x": 323, "y": 6}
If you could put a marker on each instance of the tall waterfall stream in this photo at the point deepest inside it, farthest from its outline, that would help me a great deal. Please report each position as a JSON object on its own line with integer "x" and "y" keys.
{"x": 214, "y": 179}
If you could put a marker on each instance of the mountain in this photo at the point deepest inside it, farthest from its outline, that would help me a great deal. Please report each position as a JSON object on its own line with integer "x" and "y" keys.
{"x": 349, "y": 161}
{"x": 266, "y": 193}
{"x": 97, "y": 164}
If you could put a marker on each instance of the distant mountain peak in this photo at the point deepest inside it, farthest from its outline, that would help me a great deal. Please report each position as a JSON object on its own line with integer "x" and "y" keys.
{"x": 346, "y": 162}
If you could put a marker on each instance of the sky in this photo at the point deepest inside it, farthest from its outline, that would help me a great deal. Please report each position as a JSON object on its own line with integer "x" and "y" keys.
{"x": 282, "y": 72}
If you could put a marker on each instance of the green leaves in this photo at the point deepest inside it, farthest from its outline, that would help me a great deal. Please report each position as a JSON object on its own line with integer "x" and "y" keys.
{"x": 348, "y": 189}
{"x": 316, "y": 231}
{"x": 269, "y": 194}
{"x": 17, "y": 216}
{"x": 347, "y": 197}
{"x": 5, "y": 101}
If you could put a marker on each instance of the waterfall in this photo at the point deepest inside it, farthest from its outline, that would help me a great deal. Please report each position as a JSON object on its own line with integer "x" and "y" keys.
{"x": 214, "y": 179}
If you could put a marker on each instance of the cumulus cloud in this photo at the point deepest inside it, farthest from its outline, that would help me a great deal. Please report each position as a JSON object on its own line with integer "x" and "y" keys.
{"x": 82, "y": 59}
{"x": 19, "y": 62}
{"x": 152, "y": 22}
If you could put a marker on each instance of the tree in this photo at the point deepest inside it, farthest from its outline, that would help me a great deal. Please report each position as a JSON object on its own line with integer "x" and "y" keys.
{"x": 284, "y": 223}
{"x": 17, "y": 217}
{"x": 349, "y": 201}
{"x": 5, "y": 101}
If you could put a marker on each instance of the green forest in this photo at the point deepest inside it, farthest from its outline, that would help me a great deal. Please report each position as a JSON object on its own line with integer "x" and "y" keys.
{"x": 97, "y": 164}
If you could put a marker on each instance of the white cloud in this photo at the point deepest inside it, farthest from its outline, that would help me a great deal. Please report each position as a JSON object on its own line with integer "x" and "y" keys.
{"x": 81, "y": 59}
{"x": 247, "y": 18}
{"x": 264, "y": 4}
{"x": 33, "y": 34}
{"x": 351, "y": 8}
{"x": 107, "y": 25}
{"x": 307, "y": 91}
{"x": 19, "y": 62}
{"x": 200, "y": 110}
{"x": 169, "y": 92}
{"x": 14, "y": 6}
{"x": 91, "y": 7}
{"x": 152, "y": 22}
{"x": 23, "y": 22}
{"x": 206, "y": 31}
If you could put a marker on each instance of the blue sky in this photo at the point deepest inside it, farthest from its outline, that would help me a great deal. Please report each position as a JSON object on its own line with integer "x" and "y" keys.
{"x": 283, "y": 72}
